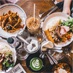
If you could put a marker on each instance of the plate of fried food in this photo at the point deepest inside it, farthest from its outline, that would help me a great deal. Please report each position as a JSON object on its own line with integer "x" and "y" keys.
{"x": 12, "y": 20}
{"x": 58, "y": 28}
{"x": 61, "y": 68}
{"x": 7, "y": 56}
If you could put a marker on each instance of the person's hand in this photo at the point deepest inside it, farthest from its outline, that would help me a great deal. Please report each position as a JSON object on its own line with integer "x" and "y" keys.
{"x": 67, "y": 11}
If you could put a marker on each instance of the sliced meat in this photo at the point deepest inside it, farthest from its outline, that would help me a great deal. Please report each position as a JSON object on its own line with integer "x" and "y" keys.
{"x": 64, "y": 30}
{"x": 58, "y": 32}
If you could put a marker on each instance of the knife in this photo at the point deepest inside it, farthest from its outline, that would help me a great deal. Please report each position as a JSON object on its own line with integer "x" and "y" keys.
{"x": 51, "y": 10}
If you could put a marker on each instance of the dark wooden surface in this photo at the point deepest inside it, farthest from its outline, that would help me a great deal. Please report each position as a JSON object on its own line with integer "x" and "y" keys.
{"x": 41, "y": 6}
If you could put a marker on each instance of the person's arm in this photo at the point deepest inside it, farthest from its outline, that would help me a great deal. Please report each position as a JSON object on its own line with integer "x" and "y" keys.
{"x": 66, "y": 7}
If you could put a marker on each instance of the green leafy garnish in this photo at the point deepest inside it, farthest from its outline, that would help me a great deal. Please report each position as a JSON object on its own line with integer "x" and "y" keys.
{"x": 68, "y": 23}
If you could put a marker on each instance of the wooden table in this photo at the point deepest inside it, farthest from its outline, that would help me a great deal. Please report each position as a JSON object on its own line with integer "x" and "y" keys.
{"x": 41, "y": 6}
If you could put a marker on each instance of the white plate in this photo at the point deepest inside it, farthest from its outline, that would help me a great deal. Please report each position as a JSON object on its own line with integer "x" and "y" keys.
{"x": 4, "y": 43}
{"x": 14, "y": 8}
{"x": 50, "y": 21}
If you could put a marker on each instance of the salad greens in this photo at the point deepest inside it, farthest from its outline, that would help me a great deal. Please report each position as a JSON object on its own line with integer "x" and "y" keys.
{"x": 69, "y": 23}
{"x": 8, "y": 62}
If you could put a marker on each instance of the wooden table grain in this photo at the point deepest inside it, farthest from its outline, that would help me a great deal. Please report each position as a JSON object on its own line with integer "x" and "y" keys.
{"x": 41, "y": 6}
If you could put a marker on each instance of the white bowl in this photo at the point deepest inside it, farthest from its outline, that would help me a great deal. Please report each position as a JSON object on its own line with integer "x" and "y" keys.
{"x": 51, "y": 19}
{"x": 34, "y": 50}
{"x": 14, "y": 8}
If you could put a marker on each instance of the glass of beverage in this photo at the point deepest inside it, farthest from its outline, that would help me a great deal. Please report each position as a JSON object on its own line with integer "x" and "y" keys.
{"x": 33, "y": 25}
{"x": 22, "y": 54}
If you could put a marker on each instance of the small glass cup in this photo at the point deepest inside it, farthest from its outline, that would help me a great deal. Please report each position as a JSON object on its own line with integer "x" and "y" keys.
{"x": 22, "y": 54}
{"x": 33, "y": 24}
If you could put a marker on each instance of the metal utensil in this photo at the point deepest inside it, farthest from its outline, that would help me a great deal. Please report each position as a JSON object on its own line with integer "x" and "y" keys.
{"x": 42, "y": 55}
{"x": 48, "y": 56}
{"x": 50, "y": 60}
{"x": 21, "y": 38}
{"x": 54, "y": 60}
{"x": 42, "y": 19}
{"x": 3, "y": 38}
{"x": 53, "y": 9}
{"x": 45, "y": 13}
{"x": 56, "y": 49}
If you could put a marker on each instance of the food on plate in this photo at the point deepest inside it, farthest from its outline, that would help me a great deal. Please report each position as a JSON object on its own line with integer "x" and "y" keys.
{"x": 61, "y": 68}
{"x": 61, "y": 32}
{"x": 36, "y": 64}
{"x": 33, "y": 24}
{"x": 6, "y": 59}
{"x": 48, "y": 35}
{"x": 10, "y": 22}
{"x": 69, "y": 23}
{"x": 55, "y": 25}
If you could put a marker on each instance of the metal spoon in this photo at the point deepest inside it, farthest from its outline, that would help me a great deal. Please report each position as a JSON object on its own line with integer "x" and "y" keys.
{"x": 54, "y": 60}
{"x": 49, "y": 58}
{"x": 42, "y": 55}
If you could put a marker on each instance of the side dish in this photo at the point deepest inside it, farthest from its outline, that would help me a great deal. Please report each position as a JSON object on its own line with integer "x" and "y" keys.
{"x": 61, "y": 68}
{"x": 10, "y": 22}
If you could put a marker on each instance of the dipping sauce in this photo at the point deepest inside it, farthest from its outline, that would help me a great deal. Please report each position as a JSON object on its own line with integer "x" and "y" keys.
{"x": 33, "y": 25}
{"x": 36, "y": 64}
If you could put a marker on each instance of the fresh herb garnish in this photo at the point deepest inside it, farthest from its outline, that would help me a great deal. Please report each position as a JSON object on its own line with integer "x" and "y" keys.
{"x": 69, "y": 23}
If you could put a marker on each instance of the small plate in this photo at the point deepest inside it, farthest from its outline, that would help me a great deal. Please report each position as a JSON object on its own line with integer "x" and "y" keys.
{"x": 49, "y": 22}
{"x": 14, "y": 8}
{"x": 4, "y": 43}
